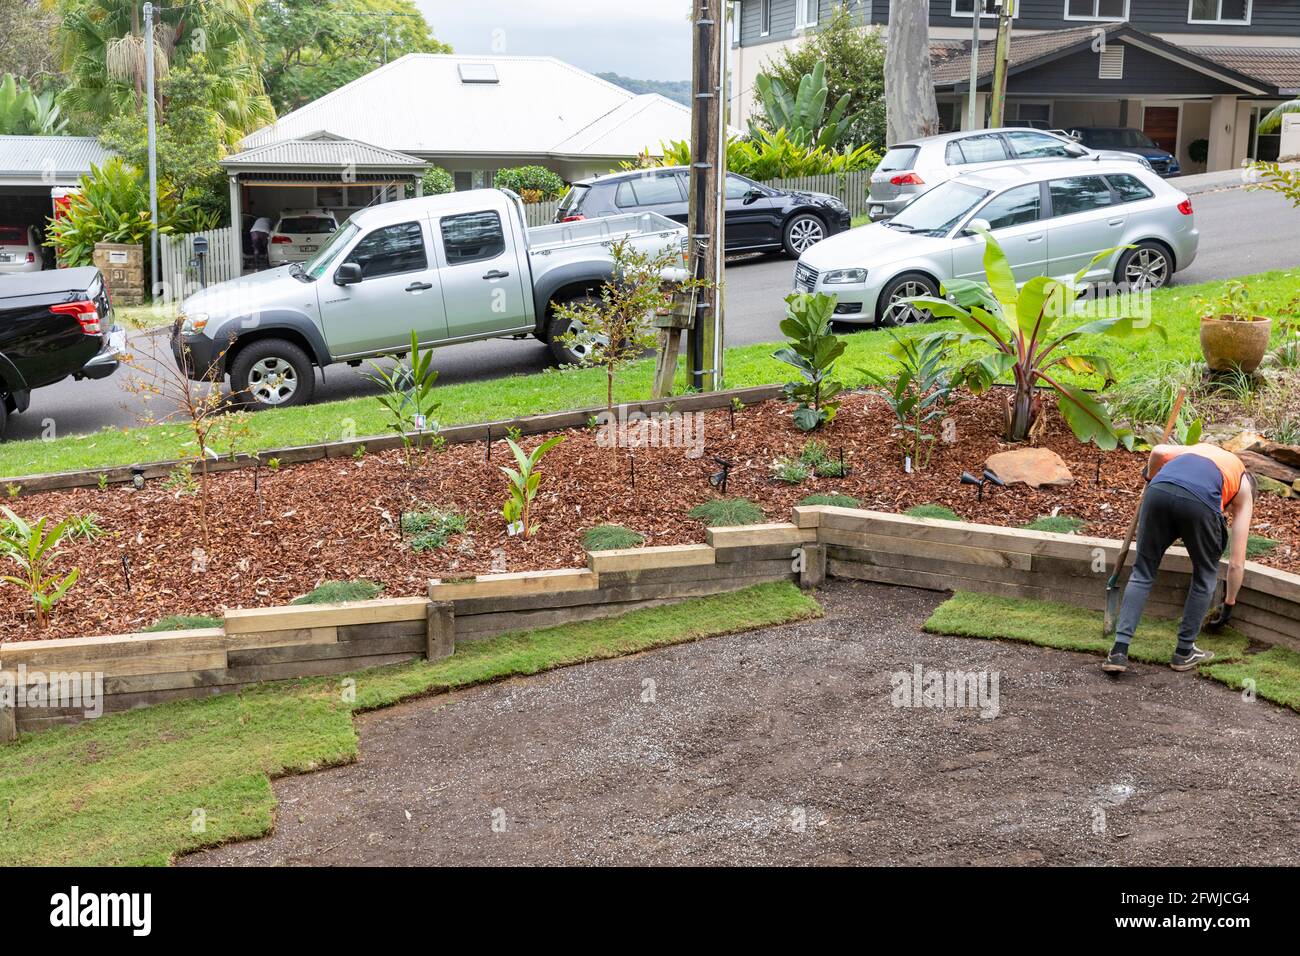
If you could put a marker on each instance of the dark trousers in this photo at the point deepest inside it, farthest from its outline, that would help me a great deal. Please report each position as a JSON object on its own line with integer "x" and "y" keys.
{"x": 1169, "y": 513}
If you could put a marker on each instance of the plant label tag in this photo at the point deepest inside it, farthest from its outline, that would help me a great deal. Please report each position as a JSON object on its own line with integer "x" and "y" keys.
{"x": 907, "y": 464}
{"x": 514, "y": 528}
{"x": 419, "y": 423}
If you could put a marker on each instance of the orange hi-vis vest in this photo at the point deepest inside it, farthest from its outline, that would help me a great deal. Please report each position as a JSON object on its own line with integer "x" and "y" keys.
{"x": 1230, "y": 466}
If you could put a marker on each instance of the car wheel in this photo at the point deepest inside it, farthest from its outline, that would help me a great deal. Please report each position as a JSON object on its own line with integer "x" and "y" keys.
{"x": 1147, "y": 266}
{"x": 893, "y": 310}
{"x": 577, "y": 351}
{"x": 4, "y": 414}
{"x": 803, "y": 232}
{"x": 273, "y": 373}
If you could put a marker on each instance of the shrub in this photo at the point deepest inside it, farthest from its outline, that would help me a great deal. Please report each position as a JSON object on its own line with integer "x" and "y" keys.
{"x": 532, "y": 183}
{"x": 933, "y": 511}
{"x": 33, "y": 549}
{"x": 336, "y": 592}
{"x": 833, "y": 500}
{"x": 1058, "y": 524}
{"x": 727, "y": 512}
{"x": 435, "y": 181}
{"x": 775, "y": 155}
{"x": 917, "y": 393}
{"x": 430, "y": 530}
{"x": 813, "y": 352}
{"x": 611, "y": 537}
{"x": 803, "y": 113}
{"x": 523, "y": 486}
{"x": 184, "y": 622}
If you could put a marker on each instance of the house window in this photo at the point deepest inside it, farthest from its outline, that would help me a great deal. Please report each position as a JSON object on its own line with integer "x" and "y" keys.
{"x": 805, "y": 14}
{"x": 1096, "y": 9}
{"x": 764, "y": 17}
{"x": 736, "y": 9}
{"x": 1219, "y": 11}
{"x": 966, "y": 8}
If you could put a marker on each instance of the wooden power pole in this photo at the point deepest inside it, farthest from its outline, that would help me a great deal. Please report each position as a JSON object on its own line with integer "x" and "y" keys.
{"x": 707, "y": 175}
{"x": 997, "y": 108}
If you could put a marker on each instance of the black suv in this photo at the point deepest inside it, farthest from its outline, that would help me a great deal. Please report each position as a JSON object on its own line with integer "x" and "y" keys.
{"x": 53, "y": 324}
{"x": 758, "y": 218}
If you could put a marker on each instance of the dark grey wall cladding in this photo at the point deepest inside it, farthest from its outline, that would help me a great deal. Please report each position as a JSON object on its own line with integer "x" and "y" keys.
{"x": 1144, "y": 72}
{"x": 1268, "y": 17}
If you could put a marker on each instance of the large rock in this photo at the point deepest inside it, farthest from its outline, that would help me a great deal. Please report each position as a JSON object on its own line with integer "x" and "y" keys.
{"x": 1242, "y": 441}
{"x": 1270, "y": 467}
{"x": 1035, "y": 467}
{"x": 1286, "y": 454}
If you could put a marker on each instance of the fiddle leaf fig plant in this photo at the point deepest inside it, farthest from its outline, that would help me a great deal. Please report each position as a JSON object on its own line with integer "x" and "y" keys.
{"x": 1019, "y": 326}
{"x": 813, "y": 352}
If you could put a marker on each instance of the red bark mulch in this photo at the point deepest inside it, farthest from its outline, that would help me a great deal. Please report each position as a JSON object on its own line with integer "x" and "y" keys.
{"x": 337, "y": 520}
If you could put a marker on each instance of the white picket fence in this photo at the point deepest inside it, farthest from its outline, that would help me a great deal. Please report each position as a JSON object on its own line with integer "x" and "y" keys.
{"x": 176, "y": 258}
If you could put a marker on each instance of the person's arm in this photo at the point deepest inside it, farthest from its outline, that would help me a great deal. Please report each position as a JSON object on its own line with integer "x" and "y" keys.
{"x": 1240, "y": 512}
{"x": 1160, "y": 456}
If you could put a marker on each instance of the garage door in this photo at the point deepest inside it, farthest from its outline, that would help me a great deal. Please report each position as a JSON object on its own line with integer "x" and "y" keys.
{"x": 1161, "y": 124}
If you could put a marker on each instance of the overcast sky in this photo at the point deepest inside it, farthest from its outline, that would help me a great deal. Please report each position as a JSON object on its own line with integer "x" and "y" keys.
{"x": 645, "y": 39}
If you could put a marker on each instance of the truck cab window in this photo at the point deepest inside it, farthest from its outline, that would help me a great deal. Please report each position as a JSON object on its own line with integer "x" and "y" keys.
{"x": 390, "y": 251}
{"x": 472, "y": 237}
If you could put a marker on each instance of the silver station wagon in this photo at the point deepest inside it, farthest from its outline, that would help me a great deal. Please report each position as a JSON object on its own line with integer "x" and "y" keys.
{"x": 1050, "y": 219}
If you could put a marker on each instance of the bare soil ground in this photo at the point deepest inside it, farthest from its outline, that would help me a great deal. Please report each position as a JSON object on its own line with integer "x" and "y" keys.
{"x": 335, "y": 520}
{"x": 782, "y": 747}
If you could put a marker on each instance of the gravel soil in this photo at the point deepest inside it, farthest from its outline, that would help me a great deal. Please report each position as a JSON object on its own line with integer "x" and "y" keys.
{"x": 336, "y": 520}
{"x": 783, "y": 747}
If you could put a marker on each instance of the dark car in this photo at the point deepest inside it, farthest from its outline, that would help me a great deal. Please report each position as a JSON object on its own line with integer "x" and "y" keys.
{"x": 1123, "y": 140}
{"x": 54, "y": 324}
{"x": 758, "y": 218}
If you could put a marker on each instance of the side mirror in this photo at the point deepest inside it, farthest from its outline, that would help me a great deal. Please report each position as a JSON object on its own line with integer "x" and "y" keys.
{"x": 349, "y": 273}
{"x": 753, "y": 195}
{"x": 1074, "y": 149}
{"x": 976, "y": 224}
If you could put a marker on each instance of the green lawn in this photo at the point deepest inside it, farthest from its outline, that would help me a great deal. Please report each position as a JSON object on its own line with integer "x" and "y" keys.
{"x": 1276, "y": 672}
{"x": 576, "y": 388}
{"x": 126, "y": 789}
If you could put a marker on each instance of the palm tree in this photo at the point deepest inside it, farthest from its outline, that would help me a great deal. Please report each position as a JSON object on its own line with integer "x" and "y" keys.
{"x": 103, "y": 54}
{"x": 1273, "y": 121}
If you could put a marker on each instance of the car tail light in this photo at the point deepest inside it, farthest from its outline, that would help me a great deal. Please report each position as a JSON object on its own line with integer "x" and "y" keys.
{"x": 31, "y": 257}
{"x": 573, "y": 219}
{"x": 907, "y": 179}
{"x": 281, "y": 240}
{"x": 1185, "y": 207}
{"x": 84, "y": 312}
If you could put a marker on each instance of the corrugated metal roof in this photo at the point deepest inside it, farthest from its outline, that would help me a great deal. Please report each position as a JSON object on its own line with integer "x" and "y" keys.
{"x": 1275, "y": 66}
{"x": 326, "y": 153}
{"x": 540, "y": 105}
{"x": 63, "y": 159}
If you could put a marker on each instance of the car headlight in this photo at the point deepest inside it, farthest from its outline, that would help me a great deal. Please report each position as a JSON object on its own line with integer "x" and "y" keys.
{"x": 1146, "y": 162}
{"x": 844, "y": 276}
{"x": 194, "y": 323}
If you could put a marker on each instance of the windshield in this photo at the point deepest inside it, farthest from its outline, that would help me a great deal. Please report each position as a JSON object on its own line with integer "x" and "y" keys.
{"x": 1118, "y": 139}
{"x": 936, "y": 212}
{"x": 13, "y": 234}
{"x": 299, "y": 225}
{"x": 334, "y": 245}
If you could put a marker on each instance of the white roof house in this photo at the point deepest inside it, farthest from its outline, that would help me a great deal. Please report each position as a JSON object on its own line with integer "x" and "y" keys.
{"x": 46, "y": 161}
{"x": 476, "y": 114}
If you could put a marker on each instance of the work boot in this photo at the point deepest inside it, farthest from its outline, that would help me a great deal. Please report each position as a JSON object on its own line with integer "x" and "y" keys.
{"x": 1116, "y": 662}
{"x": 1190, "y": 659}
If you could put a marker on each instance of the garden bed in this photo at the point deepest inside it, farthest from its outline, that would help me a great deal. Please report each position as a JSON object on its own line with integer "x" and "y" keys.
{"x": 339, "y": 519}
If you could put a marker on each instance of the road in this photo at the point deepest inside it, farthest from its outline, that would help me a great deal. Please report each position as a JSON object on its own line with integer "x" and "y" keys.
{"x": 1241, "y": 233}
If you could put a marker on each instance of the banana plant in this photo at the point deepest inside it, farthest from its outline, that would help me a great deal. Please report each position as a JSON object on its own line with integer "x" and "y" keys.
{"x": 33, "y": 549}
{"x": 1017, "y": 324}
{"x": 24, "y": 112}
{"x": 523, "y": 486}
{"x": 803, "y": 114}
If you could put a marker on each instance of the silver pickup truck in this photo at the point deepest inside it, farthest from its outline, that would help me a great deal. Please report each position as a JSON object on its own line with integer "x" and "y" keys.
{"x": 459, "y": 267}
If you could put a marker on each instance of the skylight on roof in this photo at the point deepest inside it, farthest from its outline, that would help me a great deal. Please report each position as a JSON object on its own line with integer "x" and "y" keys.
{"x": 478, "y": 73}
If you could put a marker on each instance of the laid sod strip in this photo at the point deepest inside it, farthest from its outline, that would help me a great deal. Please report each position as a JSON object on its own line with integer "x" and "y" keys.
{"x": 132, "y": 788}
{"x": 183, "y": 622}
{"x": 1275, "y": 672}
{"x": 469, "y": 402}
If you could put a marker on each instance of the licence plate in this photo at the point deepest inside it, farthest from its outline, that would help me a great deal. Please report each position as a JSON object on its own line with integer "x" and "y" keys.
{"x": 6, "y": 257}
{"x": 877, "y": 210}
{"x": 308, "y": 248}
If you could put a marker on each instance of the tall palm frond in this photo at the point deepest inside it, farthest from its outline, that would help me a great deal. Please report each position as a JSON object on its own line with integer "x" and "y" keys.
{"x": 1273, "y": 121}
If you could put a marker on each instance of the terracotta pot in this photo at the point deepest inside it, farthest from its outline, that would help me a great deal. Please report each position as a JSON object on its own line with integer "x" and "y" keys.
{"x": 1235, "y": 343}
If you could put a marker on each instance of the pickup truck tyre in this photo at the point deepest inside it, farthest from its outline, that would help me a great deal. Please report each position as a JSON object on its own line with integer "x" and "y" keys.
{"x": 569, "y": 353}
{"x": 802, "y": 232}
{"x": 272, "y": 373}
{"x": 4, "y": 413}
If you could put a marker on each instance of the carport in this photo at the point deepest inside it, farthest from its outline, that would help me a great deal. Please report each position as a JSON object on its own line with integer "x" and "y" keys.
{"x": 319, "y": 172}
{"x": 32, "y": 168}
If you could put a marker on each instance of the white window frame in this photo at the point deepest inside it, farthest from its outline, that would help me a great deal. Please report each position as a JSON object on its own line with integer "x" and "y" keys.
{"x": 764, "y": 18}
{"x": 801, "y": 20}
{"x": 1096, "y": 16}
{"x": 735, "y": 9}
{"x": 983, "y": 16}
{"x": 1191, "y": 7}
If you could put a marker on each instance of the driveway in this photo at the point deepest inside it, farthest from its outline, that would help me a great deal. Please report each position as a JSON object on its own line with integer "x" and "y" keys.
{"x": 1241, "y": 233}
{"x": 784, "y": 747}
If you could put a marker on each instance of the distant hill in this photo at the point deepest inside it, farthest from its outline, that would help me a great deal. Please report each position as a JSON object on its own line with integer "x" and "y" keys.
{"x": 679, "y": 90}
